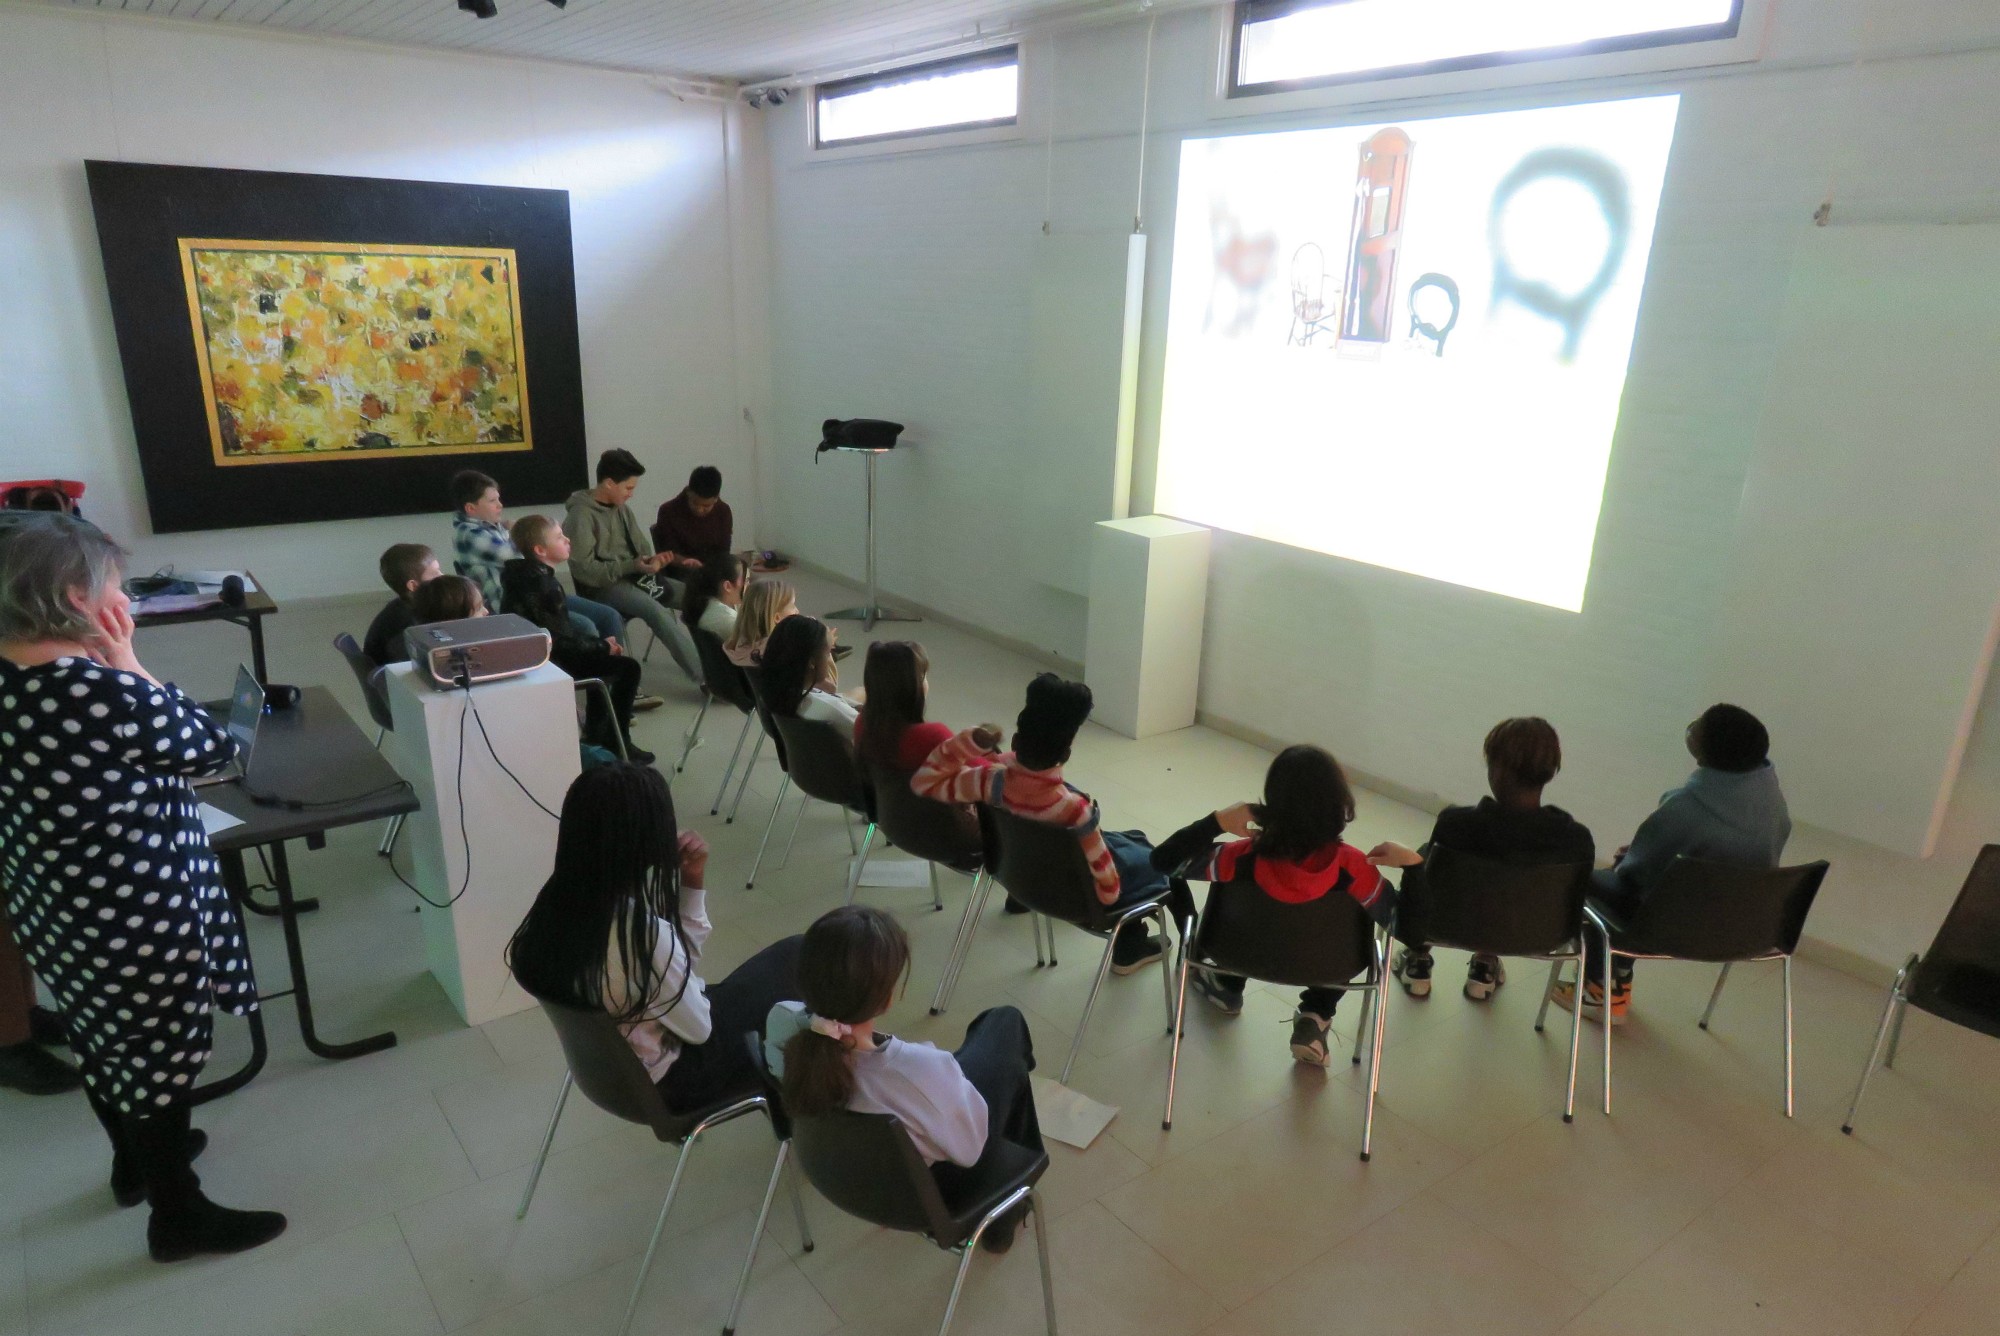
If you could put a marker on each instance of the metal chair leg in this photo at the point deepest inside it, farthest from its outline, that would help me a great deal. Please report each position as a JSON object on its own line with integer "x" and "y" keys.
{"x": 847, "y": 824}
{"x": 1180, "y": 1023}
{"x": 805, "y": 801}
{"x": 723, "y": 792}
{"x": 391, "y": 832}
{"x": 1159, "y": 916}
{"x": 751, "y": 881}
{"x": 1607, "y": 1027}
{"x": 1788, "y": 1033}
{"x": 1549, "y": 991}
{"x": 1575, "y": 1038}
{"x": 860, "y": 859}
{"x": 756, "y": 750}
{"x": 1042, "y": 1254}
{"x": 1902, "y": 1009}
{"x": 799, "y": 1210}
{"x": 1715, "y": 996}
{"x": 756, "y": 1238}
{"x": 1890, "y": 1010}
{"x": 968, "y": 924}
{"x": 548, "y": 1140}
{"x": 1375, "y": 1052}
{"x": 1089, "y": 1004}
{"x": 937, "y": 896}
{"x": 659, "y": 1228}
{"x": 1361, "y": 1028}
{"x": 694, "y": 736}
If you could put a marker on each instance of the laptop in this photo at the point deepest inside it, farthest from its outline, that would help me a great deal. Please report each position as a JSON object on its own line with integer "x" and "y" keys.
{"x": 246, "y": 713}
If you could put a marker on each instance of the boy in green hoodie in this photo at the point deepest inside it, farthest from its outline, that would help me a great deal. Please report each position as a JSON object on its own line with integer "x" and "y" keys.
{"x": 612, "y": 561}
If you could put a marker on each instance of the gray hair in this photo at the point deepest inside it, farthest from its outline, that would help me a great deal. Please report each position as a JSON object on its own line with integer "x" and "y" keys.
{"x": 45, "y": 560}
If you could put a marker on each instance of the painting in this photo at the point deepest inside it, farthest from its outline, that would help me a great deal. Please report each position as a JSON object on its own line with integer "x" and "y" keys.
{"x": 309, "y": 351}
{"x": 301, "y": 348}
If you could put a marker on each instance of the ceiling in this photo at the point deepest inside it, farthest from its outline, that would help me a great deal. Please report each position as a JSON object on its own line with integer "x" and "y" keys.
{"x": 739, "y": 40}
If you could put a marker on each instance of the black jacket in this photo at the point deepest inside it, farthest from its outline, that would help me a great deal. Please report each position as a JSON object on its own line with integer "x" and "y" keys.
{"x": 530, "y": 589}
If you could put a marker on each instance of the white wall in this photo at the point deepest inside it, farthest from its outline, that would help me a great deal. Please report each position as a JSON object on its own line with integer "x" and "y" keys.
{"x": 900, "y": 284}
{"x": 645, "y": 172}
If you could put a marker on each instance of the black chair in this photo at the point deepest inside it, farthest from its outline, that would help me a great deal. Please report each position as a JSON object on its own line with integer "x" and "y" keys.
{"x": 1042, "y": 866}
{"x": 610, "y": 1075}
{"x": 821, "y": 763}
{"x": 755, "y": 677}
{"x": 370, "y": 676}
{"x": 1323, "y": 943}
{"x": 1957, "y": 980}
{"x": 865, "y": 1164}
{"x": 1722, "y": 913}
{"x": 722, "y": 680}
{"x": 940, "y": 833}
{"x": 1508, "y": 909}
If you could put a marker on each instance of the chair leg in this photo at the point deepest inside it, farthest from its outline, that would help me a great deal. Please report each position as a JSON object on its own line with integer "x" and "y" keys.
{"x": 958, "y": 1283}
{"x": 847, "y": 824}
{"x": 756, "y": 1238}
{"x": 1375, "y": 1052}
{"x": 659, "y": 1228}
{"x": 1361, "y": 1028}
{"x": 1891, "y": 1010}
{"x": 937, "y": 896}
{"x": 1575, "y": 1038}
{"x": 756, "y": 750}
{"x": 1549, "y": 991}
{"x": 694, "y": 736}
{"x": 1174, "y": 1055}
{"x": 1606, "y": 1026}
{"x": 548, "y": 1140}
{"x": 780, "y": 802}
{"x": 723, "y": 792}
{"x": 968, "y": 924}
{"x": 1715, "y": 996}
{"x": 799, "y": 1210}
{"x": 860, "y": 859}
{"x": 1896, "y": 1030}
{"x": 1159, "y": 916}
{"x": 1089, "y": 1004}
{"x": 1788, "y": 1034}
{"x": 804, "y": 802}
{"x": 1042, "y": 1254}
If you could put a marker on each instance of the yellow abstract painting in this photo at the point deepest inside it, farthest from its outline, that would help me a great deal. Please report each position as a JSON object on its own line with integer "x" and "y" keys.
{"x": 315, "y": 350}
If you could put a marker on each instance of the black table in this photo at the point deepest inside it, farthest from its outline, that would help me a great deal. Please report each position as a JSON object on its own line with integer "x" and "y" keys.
{"x": 257, "y": 605}
{"x": 313, "y": 771}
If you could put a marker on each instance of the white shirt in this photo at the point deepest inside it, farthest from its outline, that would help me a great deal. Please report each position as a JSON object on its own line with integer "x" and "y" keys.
{"x": 828, "y": 708}
{"x": 920, "y": 1085}
{"x": 658, "y": 1035}
{"x": 718, "y": 619}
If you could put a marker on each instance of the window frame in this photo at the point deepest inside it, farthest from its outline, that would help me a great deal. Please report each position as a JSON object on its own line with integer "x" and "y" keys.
{"x": 1009, "y": 53}
{"x": 1725, "y": 36}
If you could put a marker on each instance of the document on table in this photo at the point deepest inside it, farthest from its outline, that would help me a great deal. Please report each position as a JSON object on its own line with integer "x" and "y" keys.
{"x": 214, "y": 820}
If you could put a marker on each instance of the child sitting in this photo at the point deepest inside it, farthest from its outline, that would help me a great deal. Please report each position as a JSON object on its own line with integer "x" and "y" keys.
{"x": 765, "y": 604}
{"x": 958, "y": 1108}
{"x": 1290, "y": 845}
{"x": 405, "y": 567}
{"x": 448, "y": 598}
{"x": 800, "y": 680}
{"x": 532, "y": 591}
{"x": 1028, "y": 781}
{"x": 714, "y": 593}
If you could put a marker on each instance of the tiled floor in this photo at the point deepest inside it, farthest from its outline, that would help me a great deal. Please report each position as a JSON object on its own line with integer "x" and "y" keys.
{"x": 1697, "y": 1209}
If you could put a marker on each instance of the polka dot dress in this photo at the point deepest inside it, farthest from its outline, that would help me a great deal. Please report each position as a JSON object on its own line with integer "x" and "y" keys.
{"x": 115, "y": 895}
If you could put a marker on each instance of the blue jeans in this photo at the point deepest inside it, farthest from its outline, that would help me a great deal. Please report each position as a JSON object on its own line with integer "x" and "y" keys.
{"x": 595, "y": 619}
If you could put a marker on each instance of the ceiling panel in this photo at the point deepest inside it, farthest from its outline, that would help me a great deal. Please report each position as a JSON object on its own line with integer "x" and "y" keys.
{"x": 744, "y": 40}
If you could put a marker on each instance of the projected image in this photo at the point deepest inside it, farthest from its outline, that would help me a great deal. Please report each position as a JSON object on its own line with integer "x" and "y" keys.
{"x": 1405, "y": 344}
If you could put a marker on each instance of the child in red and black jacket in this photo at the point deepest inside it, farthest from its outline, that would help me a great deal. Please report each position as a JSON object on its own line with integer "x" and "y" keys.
{"x": 1290, "y": 846}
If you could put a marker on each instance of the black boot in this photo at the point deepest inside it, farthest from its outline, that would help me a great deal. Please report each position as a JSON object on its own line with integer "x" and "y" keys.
{"x": 185, "y": 1223}
{"x": 128, "y": 1187}
{"x": 33, "y": 1070}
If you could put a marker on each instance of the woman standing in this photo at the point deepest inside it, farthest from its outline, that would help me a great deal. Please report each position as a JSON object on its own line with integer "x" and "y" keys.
{"x": 115, "y": 896}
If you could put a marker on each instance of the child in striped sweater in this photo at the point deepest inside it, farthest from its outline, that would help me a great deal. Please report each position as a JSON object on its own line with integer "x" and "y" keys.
{"x": 1028, "y": 781}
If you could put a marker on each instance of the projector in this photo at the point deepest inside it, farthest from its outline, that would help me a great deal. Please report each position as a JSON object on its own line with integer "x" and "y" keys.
{"x": 477, "y": 649}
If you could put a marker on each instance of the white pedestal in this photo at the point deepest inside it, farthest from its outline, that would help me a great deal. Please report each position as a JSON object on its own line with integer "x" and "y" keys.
{"x": 1148, "y": 595}
{"x": 531, "y": 720}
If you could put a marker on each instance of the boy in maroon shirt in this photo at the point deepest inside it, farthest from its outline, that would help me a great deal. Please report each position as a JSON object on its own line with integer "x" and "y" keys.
{"x": 695, "y": 525}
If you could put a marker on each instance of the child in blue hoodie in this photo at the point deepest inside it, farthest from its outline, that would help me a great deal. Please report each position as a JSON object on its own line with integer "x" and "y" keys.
{"x": 1730, "y": 810}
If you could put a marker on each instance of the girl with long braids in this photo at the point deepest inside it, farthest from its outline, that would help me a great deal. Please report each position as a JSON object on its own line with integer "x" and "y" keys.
{"x": 621, "y": 923}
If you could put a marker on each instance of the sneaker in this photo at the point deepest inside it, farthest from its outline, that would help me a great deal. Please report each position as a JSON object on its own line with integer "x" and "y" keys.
{"x": 1224, "y": 1001}
{"x": 1593, "y": 1000}
{"x": 1413, "y": 968}
{"x": 639, "y": 755}
{"x": 33, "y": 1070}
{"x": 646, "y": 700}
{"x": 1483, "y": 976}
{"x": 1309, "y": 1034}
{"x": 1134, "y": 950}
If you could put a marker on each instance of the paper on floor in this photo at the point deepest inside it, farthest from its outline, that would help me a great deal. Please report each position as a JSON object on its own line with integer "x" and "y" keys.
{"x": 1071, "y": 1118}
{"x": 893, "y": 872}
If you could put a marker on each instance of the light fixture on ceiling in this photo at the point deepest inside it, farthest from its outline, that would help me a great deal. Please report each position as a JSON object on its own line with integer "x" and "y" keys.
{"x": 486, "y": 9}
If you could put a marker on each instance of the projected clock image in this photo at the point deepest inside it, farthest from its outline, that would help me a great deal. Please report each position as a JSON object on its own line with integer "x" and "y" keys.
{"x": 1445, "y": 364}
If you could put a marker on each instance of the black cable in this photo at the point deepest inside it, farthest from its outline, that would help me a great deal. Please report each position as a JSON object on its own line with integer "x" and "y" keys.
{"x": 313, "y": 804}
{"x": 473, "y": 709}
{"x": 465, "y": 837}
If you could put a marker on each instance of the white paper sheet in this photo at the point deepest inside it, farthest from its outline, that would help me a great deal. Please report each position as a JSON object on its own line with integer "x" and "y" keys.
{"x": 893, "y": 872}
{"x": 1069, "y": 1117}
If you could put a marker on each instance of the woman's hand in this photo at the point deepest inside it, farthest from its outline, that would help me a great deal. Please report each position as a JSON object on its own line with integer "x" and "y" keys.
{"x": 1239, "y": 820}
{"x": 1391, "y": 854}
{"x": 111, "y": 641}
{"x": 694, "y": 859}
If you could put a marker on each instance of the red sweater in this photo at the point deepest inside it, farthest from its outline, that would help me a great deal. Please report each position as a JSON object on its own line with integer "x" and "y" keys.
{"x": 914, "y": 747}
{"x": 960, "y": 772}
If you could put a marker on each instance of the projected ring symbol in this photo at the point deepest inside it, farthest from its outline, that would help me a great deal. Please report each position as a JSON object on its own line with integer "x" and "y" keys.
{"x": 1606, "y": 184}
{"x": 1430, "y": 329}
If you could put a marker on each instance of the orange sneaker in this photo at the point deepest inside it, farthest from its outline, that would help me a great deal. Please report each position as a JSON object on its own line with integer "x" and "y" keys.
{"x": 1593, "y": 1000}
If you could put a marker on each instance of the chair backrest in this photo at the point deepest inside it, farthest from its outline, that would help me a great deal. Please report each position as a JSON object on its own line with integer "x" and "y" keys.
{"x": 866, "y": 1164}
{"x": 369, "y": 674}
{"x": 1319, "y": 943}
{"x": 1705, "y": 910}
{"x": 1506, "y": 909}
{"x": 1042, "y": 866}
{"x": 938, "y": 832}
{"x": 1959, "y": 977}
{"x": 608, "y": 1072}
{"x": 724, "y": 680}
{"x": 821, "y": 761}
{"x": 755, "y": 677}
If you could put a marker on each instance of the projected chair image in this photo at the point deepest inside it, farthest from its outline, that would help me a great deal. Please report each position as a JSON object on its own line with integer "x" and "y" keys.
{"x": 1315, "y": 295}
{"x": 609, "y": 1073}
{"x": 1957, "y": 980}
{"x": 1509, "y": 909}
{"x": 1043, "y": 867}
{"x": 1715, "y": 912}
{"x": 1329, "y": 942}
